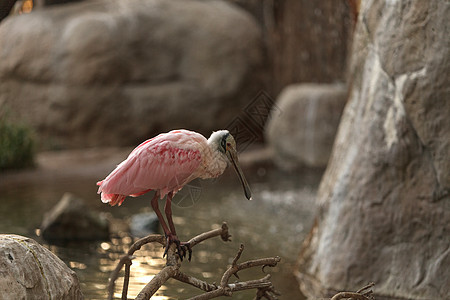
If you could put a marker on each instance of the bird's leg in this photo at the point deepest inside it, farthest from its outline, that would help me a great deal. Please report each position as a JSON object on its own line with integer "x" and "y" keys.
{"x": 158, "y": 213}
{"x": 172, "y": 238}
{"x": 169, "y": 236}
{"x": 182, "y": 248}
{"x": 168, "y": 211}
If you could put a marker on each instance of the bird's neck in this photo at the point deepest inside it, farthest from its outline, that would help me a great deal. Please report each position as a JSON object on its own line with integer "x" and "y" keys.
{"x": 214, "y": 162}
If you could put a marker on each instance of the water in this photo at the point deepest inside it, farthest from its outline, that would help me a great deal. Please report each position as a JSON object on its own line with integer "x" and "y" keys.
{"x": 274, "y": 223}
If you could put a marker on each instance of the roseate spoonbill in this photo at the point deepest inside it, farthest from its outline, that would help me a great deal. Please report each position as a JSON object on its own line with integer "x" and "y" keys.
{"x": 165, "y": 164}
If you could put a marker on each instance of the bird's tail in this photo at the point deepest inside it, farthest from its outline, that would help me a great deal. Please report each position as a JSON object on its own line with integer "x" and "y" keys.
{"x": 112, "y": 199}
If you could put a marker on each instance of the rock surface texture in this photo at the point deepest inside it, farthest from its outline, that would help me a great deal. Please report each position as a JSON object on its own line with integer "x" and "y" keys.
{"x": 30, "y": 271}
{"x": 72, "y": 220}
{"x": 385, "y": 214}
{"x": 114, "y": 72}
{"x": 302, "y": 127}
{"x": 307, "y": 41}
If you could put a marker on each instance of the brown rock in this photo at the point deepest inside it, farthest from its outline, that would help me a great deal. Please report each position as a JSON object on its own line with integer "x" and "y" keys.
{"x": 385, "y": 199}
{"x": 302, "y": 128}
{"x": 310, "y": 41}
{"x": 307, "y": 40}
{"x": 30, "y": 271}
{"x": 71, "y": 220}
{"x": 115, "y": 73}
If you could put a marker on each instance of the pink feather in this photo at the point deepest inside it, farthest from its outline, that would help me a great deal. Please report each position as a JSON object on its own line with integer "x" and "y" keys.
{"x": 164, "y": 163}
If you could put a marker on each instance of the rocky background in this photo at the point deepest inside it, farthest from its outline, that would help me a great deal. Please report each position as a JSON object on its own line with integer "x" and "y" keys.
{"x": 106, "y": 73}
{"x": 99, "y": 73}
{"x": 110, "y": 73}
{"x": 30, "y": 271}
{"x": 385, "y": 202}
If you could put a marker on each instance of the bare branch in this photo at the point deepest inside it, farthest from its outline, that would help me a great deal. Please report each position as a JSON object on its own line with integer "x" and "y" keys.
{"x": 173, "y": 264}
{"x": 203, "y": 285}
{"x": 126, "y": 280}
{"x": 126, "y": 260}
{"x": 227, "y": 289}
{"x": 251, "y": 284}
{"x": 270, "y": 261}
{"x": 238, "y": 255}
{"x": 157, "y": 281}
{"x": 346, "y": 295}
{"x": 362, "y": 294}
{"x": 370, "y": 285}
{"x": 213, "y": 294}
{"x": 153, "y": 238}
{"x": 268, "y": 293}
{"x": 222, "y": 231}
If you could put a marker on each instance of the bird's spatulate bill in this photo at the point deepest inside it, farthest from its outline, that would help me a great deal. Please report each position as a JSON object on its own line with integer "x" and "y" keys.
{"x": 232, "y": 156}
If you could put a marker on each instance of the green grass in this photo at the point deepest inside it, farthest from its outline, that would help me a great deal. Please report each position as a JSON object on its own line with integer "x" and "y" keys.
{"x": 16, "y": 145}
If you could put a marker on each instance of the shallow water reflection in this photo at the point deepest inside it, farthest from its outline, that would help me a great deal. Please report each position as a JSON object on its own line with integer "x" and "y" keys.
{"x": 274, "y": 223}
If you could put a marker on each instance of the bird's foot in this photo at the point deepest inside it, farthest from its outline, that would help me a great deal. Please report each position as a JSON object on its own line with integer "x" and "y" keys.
{"x": 187, "y": 249}
{"x": 183, "y": 248}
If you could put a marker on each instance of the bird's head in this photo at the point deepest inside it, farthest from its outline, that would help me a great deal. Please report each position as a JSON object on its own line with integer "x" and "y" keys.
{"x": 226, "y": 145}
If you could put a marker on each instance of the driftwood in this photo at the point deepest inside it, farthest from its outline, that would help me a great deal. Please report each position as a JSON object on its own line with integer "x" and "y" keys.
{"x": 263, "y": 286}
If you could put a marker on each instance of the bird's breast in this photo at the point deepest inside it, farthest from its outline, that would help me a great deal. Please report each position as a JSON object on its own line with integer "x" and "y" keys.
{"x": 213, "y": 165}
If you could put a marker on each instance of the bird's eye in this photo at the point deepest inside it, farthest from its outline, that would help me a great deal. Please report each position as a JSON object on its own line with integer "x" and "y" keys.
{"x": 223, "y": 145}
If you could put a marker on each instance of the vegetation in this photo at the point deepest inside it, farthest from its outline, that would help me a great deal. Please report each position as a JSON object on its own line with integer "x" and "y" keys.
{"x": 16, "y": 145}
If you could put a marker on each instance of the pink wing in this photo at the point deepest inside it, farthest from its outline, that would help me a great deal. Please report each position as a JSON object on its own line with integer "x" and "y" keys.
{"x": 164, "y": 163}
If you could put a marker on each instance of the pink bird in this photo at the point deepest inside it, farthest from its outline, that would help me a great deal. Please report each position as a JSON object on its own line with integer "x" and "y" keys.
{"x": 165, "y": 164}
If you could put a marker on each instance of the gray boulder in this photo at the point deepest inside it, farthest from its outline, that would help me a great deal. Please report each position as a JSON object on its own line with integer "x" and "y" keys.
{"x": 30, "y": 271}
{"x": 71, "y": 220}
{"x": 303, "y": 125}
{"x": 385, "y": 197}
{"x": 113, "y": 72}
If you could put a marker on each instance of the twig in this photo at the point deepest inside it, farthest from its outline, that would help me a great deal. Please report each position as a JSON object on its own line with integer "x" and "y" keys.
{"x": 270, "y": 261}
{"x": 227, "y": 289}
{"x": 252, "y": 284}
{"x": 157, "y": 281}
{"x": 153, "y": 238}
{"x": 126, "y": 260}
{"x": 222, "y": 231}
{"x": 238, "y": 255}
{"x": 126, "y": 280}
{"x": 171, "y": 259}
{"x": 346, "y": 295}
{"x": 200, "y": 284}
{"x": 268, "y": 293}
{"x": 370, "y": 285}
{"x": 171, "y": 270}
{"x": 359, "y": 295}
{"x": 115, "y": 274}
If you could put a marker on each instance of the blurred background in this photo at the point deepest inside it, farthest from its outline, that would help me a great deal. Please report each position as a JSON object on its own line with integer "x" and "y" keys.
{"x": 339, "y": 109}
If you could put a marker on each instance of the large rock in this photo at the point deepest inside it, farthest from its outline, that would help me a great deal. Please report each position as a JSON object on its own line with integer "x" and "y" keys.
{"x": 72, "y": 220}
{"x": 303, "y": 125}
{"x": 114, "y": 72}
{"x": 385, "y": 214}
{"x": 307, "y": 40}
{"x": 30, "y": 271}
